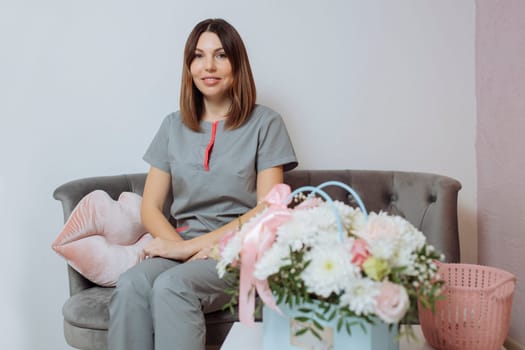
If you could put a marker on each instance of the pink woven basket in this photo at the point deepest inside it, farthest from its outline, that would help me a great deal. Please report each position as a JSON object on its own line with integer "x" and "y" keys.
{"x": 475, "y": 313}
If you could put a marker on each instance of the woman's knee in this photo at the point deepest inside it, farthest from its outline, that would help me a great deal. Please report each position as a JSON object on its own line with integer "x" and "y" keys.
{"x": 170, "y": 282}
{"x": 133, "y": 283}
{"x": 172, "y": 285}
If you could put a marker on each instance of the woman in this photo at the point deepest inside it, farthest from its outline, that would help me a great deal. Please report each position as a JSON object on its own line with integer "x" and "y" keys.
{"x": 219, "y": 155}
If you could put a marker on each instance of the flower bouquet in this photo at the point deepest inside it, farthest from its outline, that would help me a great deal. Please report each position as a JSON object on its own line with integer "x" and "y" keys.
{"x": 326, "y": 262}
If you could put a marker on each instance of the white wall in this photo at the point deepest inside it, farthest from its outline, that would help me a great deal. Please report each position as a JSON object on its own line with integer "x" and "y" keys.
{"x": 85, "y": 84}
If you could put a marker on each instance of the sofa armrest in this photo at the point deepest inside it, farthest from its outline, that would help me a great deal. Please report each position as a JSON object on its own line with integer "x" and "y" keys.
{"x": 70, "y": 193}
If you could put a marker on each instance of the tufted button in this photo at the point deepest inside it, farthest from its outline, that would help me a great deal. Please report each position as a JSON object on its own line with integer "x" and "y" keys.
{"x": 432, "y": 198}
{"x": 351, "y": 200}
{"x": 393, "y": 197}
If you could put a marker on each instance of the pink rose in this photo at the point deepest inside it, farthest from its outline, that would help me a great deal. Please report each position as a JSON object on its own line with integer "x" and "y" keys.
{"x": 392, "y": 302}
{"x": 379, "y": 226}
{"x": 359, "y": 252}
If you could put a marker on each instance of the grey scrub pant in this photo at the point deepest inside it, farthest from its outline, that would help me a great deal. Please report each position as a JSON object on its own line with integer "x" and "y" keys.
{"x": 159, "y": 304}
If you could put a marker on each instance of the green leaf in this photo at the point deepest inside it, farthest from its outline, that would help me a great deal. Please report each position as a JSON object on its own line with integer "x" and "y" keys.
{"x": 302, "y": 318}
{"x": 320, "y": 316}
{"x": 301, "y": 331}
{"x": 332, "y": 315}
{"x": 315, "y": 333}
{"x": 347, "y": 326}
{"x": 318, "y": 325}
{"x": 363, "y": 327}
{"x": 340, "y": 324}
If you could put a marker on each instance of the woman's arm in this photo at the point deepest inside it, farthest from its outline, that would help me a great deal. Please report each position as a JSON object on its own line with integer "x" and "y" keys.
{"x": 156, "y": 191}
{"x": 199, "y": 247}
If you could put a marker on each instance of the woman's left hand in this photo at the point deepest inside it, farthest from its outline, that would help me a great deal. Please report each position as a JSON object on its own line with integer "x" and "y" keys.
{"x": 204, "y": 253}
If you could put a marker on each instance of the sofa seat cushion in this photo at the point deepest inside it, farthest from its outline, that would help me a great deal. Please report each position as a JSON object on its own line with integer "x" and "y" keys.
{"x": 89, "y": 308}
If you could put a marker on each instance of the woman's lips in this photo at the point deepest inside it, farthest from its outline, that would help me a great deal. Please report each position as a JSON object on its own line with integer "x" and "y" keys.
{"x": 210, "y": 81}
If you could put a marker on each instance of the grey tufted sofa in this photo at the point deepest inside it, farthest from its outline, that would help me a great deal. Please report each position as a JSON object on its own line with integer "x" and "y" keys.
{"x": 429, "y": 201}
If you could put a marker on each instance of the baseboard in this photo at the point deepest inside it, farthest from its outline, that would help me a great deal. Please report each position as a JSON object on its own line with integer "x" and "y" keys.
{"x": 511, "y": 344}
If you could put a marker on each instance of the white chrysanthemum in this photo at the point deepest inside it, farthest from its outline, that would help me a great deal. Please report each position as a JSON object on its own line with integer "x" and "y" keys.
{"x": 326, "y": 217}
{"x": 360, "y": 295}
{"x": 272, "y": 260}
{"x": 413, "y": 238}
{"x": 410, "y": 240}
{"x": 407, "y": 259}
{"x": 221, "y": 268}
{"x": 357, "y": 221}
{"x": 318, "y": 225}
{"x": 329, "y": 268}
{"x": 328, "y": 230}
{"x": 326, "y": 237}
{"x": 229, "y": 254}
{"x": 351, "y": 217}
{"x": 232, "y": 250}
{"x": 295, "y": 232}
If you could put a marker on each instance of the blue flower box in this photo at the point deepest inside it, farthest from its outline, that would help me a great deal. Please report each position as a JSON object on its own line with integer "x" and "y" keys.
{"x": 279, "y": 334}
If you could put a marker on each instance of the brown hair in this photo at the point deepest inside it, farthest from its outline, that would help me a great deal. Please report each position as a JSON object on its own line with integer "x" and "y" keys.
{"x": 242, "y": 92}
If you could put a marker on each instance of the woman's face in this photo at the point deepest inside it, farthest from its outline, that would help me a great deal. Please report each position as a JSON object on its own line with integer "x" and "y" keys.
{"x": 211, "y": 69}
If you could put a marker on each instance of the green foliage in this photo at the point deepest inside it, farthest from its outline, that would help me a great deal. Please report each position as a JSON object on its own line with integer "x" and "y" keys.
{"x": 288, "y": 288}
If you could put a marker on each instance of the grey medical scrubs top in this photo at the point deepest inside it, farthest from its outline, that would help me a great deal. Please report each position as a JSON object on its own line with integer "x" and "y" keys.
{"x": 214, "y": 172}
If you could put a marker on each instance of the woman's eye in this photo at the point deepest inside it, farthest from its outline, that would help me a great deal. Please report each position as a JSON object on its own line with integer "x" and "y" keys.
{"x": 197, "y": 55}
{"x": 222, "y": 55}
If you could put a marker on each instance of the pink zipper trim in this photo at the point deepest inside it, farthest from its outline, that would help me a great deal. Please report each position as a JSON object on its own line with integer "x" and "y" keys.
{"x": 210, "y": 146}
{"x": 182, "y": 228}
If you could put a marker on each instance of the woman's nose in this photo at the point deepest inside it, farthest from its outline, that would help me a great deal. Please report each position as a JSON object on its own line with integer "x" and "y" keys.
{"x": 210, "y": 64}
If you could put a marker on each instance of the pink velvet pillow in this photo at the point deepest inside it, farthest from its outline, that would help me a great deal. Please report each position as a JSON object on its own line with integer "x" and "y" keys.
{"x": 102, "y": 237}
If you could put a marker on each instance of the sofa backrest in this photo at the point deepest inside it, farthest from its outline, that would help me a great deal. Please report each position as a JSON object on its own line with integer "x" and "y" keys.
{"x": 428, "y": 201}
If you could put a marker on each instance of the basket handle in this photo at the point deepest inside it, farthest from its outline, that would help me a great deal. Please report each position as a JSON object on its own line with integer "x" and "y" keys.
{"x": 350, "y": 190}
{"x": 503, "y": 281}
{"x": 492, "y": 288}
{"x": 319, "y": 190}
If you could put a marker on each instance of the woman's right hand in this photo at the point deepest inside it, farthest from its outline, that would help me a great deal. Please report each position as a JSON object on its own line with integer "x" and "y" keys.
{"x": 165, "y": 248}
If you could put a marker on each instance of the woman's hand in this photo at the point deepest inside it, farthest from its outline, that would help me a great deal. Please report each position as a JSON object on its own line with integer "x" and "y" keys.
{"x": 165, "y": 248}
{"x": 205, "y": 253}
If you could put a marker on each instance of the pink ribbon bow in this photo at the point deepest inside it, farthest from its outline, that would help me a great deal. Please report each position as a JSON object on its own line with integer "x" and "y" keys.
{"x": 259, "y": 237}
